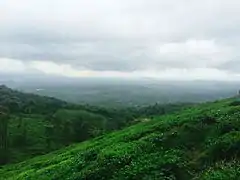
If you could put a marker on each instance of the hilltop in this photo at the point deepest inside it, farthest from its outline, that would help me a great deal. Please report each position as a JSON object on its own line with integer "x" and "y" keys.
{"x": 201, "y": 142}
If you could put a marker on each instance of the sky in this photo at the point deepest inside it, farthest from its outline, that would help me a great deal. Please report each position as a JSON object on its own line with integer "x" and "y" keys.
{"x": 173, "y": 39}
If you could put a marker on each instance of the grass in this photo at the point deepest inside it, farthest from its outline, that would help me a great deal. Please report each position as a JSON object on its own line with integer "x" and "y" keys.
{"x": 201, "y": 142}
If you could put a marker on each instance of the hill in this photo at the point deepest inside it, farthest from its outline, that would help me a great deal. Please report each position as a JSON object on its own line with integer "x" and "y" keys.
{"x": 18, "y": 102}
{"x": 201, "y": 142}
{"x": 36, "y": 125}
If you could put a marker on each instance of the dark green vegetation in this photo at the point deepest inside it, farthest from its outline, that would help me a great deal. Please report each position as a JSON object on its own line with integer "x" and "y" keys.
{"x": 33, "y": 125}
{"x": 201, "y": 142}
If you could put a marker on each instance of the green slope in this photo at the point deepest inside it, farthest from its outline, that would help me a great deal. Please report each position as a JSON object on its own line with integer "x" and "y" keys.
{"x": 202, "y": 142}
{"x": 38, "y": 125}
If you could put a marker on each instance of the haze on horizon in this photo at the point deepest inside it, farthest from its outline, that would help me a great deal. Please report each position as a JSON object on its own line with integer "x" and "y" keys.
{"x": 171, "y": 40}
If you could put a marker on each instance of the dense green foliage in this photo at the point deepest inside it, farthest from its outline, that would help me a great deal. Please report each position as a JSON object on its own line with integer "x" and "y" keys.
{"x": 201, "y": 142}
{"x": 36, "y": 125}
{"x": 18, "y": 102}
{"x": 3, "y": 135}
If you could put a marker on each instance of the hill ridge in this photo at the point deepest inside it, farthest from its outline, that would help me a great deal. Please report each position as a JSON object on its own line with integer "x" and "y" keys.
{"x": 201, "y": 142}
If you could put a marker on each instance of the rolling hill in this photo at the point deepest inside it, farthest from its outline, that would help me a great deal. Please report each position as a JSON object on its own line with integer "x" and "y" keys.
{"x": 201, "y": 142}
{"x": 37, "y": 125}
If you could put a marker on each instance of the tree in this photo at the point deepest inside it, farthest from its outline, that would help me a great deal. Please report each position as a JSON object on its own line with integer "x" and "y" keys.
{"x": 49, "y": 133}
{"x": 4, "y": 153}
{"x": 67, "y": 132}
{"x": 20, "y": 138}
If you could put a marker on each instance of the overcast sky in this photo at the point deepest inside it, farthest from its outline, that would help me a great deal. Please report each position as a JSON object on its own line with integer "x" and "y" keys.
{"x": 167, "y": 39}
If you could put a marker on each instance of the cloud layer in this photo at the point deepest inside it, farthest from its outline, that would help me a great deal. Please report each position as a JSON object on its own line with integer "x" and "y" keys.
{"x": 156, "y": 38}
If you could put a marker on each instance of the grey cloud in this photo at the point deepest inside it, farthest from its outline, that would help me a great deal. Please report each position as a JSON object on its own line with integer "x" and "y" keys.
{"x": 121, "y": 35}
{"x": 231, "y": 66}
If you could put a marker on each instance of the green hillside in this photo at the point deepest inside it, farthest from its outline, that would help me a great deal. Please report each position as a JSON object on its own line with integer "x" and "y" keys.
{"x": 32, "y": 125}
{"x": 201, "y": 142}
